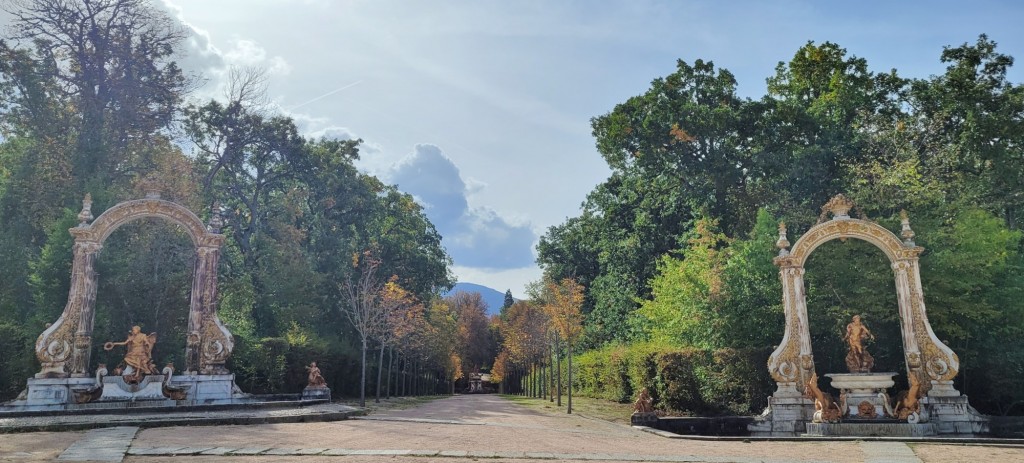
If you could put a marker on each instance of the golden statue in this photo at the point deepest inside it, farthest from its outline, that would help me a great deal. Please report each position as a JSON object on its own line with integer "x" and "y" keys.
{"x": 315, "y": 378}
{"x": 858, "y": 360}
{"x": 139, "y": 355}
{"x": 825, "y": 408}
{"x": 644, "y": 403}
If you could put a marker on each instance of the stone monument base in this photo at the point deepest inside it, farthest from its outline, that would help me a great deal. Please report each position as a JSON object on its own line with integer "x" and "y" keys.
{"x": 44, "y": 394}
{"x": 317, "y": 393}
{"x": 952, "y": 414}
{"x": 870, "y": 429}
{"x": 649, "y": 419}
{"x": 787, "y": 414}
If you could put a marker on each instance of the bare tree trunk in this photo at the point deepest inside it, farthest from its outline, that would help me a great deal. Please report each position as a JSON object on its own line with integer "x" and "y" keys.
{"x": 380, "y": 370}
{"x": 569, "y": 410}
{"x": 391, "y": 364}
{"x": 558, "y": 360}
{"x": 551, "y": 376}
{"x": 362, "y": 381}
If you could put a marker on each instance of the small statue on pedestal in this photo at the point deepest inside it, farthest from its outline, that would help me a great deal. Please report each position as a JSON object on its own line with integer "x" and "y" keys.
{"x": 643, "y": 410}
{"x": 858, "y": 360}
{"x": 644, "y": 403}
{"x": 316, "y": 386}
{"x": 315, "y": 378}
{"x": 138, "y": 355}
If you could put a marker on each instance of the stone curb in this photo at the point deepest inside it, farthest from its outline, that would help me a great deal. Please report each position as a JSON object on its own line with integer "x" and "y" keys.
{"x": 1015, "y": 443}
{"x": 153, "y": 422}
{"x": 456, "y": 454}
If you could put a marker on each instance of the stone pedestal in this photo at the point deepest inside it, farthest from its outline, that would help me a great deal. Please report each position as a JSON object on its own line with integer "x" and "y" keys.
{"x": 649, "y": 419}
{"x": 53, "y": 391}
{"x": 952, "y": 415}
{"x": 890, "y": 429}
{"x": 115, "y": 389}
{"x": 317, "y": 393}
{"x": 787, "y": 414}
{"x": 59, "y": 393}
{"x": 864, "y": 394}
{"x": 209, "y": 389}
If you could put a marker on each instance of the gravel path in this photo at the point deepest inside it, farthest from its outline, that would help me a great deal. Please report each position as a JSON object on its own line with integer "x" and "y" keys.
{"x": 465, "y": 428}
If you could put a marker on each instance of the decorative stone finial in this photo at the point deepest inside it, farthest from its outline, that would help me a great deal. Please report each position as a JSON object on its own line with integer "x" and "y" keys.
{"x": 907, "y": 233}
{"x": 151, "y": 185}
{"x": 85, "y": 216}
{"x": 839, "y": 206}
{"x": 782, "y": 243}
{"x": 216, "y": 219}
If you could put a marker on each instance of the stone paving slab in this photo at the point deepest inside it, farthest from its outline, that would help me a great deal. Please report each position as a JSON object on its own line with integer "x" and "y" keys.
{"x": 193, "y": 450}
{"x": 155, "y": 450}
{"x": 313, "y": 451}
{"x": 219, "y": 451}
{"x": 888, "y": 452}
{"x": 282, "y": 451}
{"x": 109, "y": 444}
{"x": 191, "y": 417}
{"x": 250, "y": 451}
{"x": 875, "y": 452}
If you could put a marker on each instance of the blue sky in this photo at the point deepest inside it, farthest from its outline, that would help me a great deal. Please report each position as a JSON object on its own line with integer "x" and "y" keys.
{"x": 481, "y": 109}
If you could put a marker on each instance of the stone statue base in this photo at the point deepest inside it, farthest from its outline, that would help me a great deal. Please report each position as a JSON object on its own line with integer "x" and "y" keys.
{"x": 115, "y": 392}
{"x": 649, "y": 419}
{"x": 787, "y": 414}
{"x": 890, "y": 429}
{"x": 115, "y": 388}
{"x": 317, "y": 393}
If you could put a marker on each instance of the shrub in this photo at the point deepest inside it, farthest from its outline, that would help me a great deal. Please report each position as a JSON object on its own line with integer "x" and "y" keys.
{"x": 687, "y": 381}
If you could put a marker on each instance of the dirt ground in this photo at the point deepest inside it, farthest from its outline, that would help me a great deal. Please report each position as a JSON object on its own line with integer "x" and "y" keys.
{"x": 481, "y": 423}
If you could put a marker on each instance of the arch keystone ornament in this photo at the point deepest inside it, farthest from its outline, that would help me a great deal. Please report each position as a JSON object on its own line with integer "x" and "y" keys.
{"x": 927, "y": 359}
{"x": 64, "y": 347}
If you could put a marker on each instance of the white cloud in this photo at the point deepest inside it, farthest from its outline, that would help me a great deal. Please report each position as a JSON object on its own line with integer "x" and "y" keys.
{"x": 476, "y": 237}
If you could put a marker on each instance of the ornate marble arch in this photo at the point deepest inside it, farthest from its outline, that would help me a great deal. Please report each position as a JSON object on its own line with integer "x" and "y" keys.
{"x": 65, "y": 346}
{"x": 792, "y": 363}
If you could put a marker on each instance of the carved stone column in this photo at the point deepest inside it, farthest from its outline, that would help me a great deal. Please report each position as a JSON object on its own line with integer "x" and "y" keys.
{"x": 912, "y": 353}
{"x": 792, "y": 363}
{"x": 209, "y": 341}
{"x": 64, "y": 347}
{"x": 939, "y": 363}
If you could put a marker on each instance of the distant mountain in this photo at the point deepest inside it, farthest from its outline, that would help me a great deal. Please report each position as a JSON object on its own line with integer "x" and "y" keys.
{"x": 492, "y": 297}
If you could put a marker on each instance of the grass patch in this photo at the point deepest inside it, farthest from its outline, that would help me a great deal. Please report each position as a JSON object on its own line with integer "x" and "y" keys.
{"x": 586, "y": 406}
{"x": 394, "y": 403}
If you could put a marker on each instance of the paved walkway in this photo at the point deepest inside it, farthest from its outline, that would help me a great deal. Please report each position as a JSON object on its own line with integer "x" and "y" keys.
{"x": 107, "y": 444}
{"x": 472, "y": 427}
{"x": 193, "y": 417}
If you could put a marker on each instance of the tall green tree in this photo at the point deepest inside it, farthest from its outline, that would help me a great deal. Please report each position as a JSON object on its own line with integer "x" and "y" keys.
{"x": 113, "y": 61}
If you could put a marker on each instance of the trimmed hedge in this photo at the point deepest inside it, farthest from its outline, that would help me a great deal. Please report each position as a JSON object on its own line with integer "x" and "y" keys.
{"x": 684, "y": 381}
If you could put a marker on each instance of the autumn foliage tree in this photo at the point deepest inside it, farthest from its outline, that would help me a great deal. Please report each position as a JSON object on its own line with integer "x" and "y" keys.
{"x": 563, "y": 307}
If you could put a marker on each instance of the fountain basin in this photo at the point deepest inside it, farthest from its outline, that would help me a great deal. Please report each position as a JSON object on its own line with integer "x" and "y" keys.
{"x": 864, "y": 394}
{"x": 862, "y": 381}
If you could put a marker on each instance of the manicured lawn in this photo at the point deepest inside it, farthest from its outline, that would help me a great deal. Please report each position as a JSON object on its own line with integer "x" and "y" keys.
{"x": 584, "y": 406}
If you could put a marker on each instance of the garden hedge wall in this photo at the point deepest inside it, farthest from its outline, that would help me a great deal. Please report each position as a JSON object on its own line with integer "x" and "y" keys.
{"x": 682, "y": 381}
